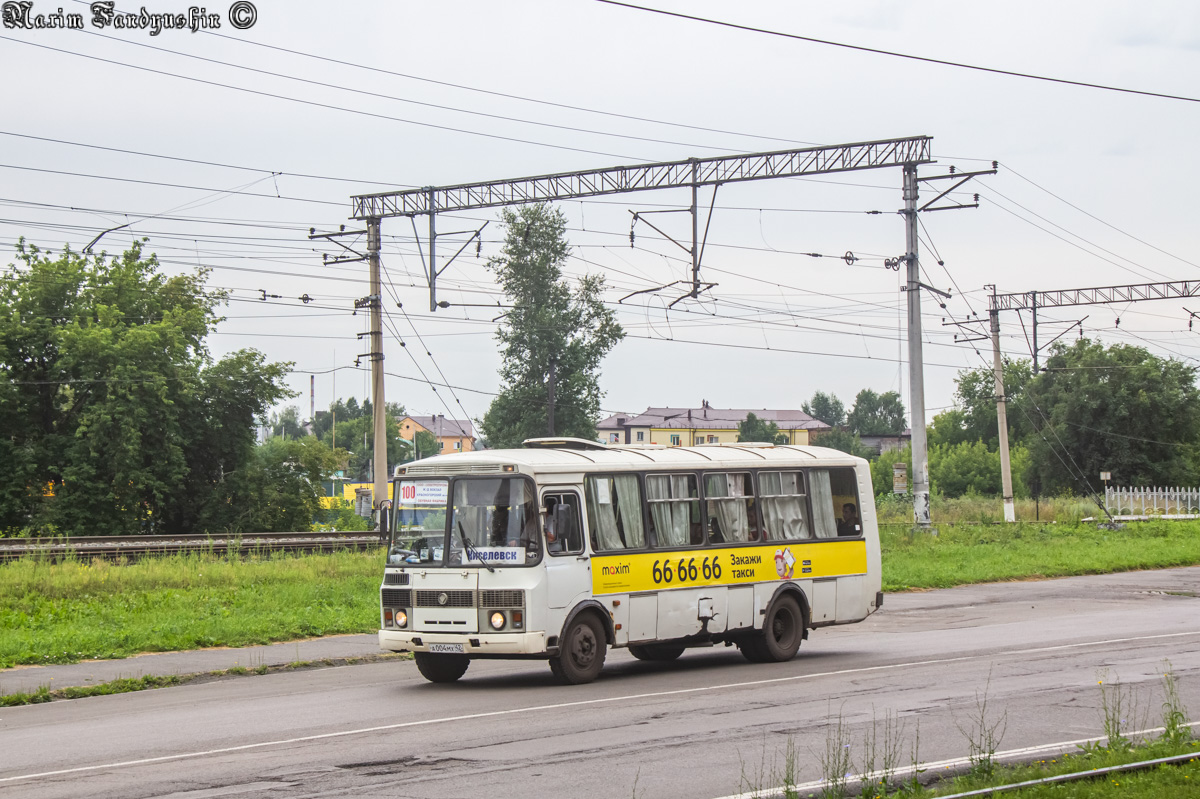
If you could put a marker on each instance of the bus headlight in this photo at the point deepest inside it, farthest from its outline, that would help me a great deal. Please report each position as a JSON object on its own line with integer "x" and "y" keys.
{"x": 497, "y": 620}
{"x": 401, "y": 618}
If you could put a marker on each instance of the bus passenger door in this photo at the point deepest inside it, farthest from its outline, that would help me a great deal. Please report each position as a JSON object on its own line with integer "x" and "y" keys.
{"x": 568, "y": 569}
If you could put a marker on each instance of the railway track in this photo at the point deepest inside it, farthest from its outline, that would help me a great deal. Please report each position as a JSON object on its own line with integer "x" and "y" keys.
{"x": 116, "y": 547}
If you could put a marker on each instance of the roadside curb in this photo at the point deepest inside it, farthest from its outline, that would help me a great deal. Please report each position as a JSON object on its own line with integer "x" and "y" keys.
{"x": 150, "y": 682}
{"x": 30, "y": 679}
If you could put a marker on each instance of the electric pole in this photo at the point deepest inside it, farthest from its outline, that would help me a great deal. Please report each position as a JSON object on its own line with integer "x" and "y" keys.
{"x": 1010, "y": 514}
{"x": 550, "y": 399}
{"x": 916, "y": 363}
{"x": 379, "y": 461}
{"x": 374, "y": 303}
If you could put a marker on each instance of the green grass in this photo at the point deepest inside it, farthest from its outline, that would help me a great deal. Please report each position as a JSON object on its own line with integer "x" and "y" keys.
{"x": 71, "y": 611}
{"x": 75, "y": 610}
{"x": 962, "y": 554}
{"x": 1158, "y": 782}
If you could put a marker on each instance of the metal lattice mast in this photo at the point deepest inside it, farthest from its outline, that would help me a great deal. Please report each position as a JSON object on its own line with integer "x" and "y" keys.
{"x": 1061, "y": 298}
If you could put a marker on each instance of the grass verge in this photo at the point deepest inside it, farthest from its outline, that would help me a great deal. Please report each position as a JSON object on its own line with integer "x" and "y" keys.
{"x": 71, "y": 611}
{"x": 126, "y": 685}
{"x": 81, "y": 610}
{"x": 972, "y": 553}
{"x": 1153, "y": 783}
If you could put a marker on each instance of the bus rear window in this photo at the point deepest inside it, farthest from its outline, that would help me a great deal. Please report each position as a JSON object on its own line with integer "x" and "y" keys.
{"x": 835, "y": 503}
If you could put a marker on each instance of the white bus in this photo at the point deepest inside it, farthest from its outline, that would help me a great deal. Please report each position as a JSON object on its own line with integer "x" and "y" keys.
{"x": 564, "y": 548}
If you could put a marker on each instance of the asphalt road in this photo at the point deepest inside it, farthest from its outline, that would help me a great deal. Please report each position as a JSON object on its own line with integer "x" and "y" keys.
{"x": 709, "y": 725}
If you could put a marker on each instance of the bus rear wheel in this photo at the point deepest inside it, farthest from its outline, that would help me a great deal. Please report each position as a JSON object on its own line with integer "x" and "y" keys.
{"x": 441, "y": 668}
{"x": 582, "y": 652}
{"x": 782, "y": 632}
{"x": 658, "y": 652}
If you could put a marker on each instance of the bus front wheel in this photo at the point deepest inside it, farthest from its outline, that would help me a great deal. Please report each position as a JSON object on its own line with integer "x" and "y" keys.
{"x": 582, "y": 651}
{"x": 782, "y": 631}
{"x": 441, "y": 668}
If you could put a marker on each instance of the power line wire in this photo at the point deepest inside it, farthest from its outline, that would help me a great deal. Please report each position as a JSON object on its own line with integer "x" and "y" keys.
{"x": 894, "y": 54}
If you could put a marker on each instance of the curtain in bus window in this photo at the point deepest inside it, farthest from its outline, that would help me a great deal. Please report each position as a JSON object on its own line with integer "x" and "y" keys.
{"x": 629, "y": 504}
{"x": 730, "y": 513}
{"x": 602, "y": 514}
{"x": 784, "y": 510}
{"x": 670, "y": 518}
{"x": 824, "y": 520}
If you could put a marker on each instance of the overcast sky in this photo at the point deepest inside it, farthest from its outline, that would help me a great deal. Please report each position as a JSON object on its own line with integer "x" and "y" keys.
{"x": 1094, "y": 188}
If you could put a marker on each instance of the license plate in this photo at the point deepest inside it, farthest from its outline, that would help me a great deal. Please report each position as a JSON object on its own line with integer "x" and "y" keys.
{"x": 448, "y": 649}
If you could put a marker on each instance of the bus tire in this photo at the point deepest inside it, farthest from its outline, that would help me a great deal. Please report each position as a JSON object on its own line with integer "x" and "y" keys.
{"x": 441, "y": 668}
{"x": 753, "y": 649}
{"x": 656, "y": 652}
{"x": 782, "y": 632}
{"x": 581, "y": 651}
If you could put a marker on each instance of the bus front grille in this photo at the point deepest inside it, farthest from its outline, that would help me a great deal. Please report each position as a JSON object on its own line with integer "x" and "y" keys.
{"x": 396, "y": 597}
{"x": 506, "y": 598}
{"x": 453, "y": 599}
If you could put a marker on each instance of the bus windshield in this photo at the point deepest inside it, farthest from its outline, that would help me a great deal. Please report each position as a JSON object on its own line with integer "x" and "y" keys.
{"x": 489, "y": 522}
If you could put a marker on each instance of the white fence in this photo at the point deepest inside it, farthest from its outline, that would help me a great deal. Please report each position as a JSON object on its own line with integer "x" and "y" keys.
{"x": 1155, "y": 501}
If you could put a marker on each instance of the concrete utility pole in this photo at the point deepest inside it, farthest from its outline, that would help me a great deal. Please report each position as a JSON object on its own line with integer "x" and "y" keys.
{"x": 379, "y": 462}
{"x": 916, "y": 363}
{"x": 1010, "y": 514}
{"x": 550, "y": 398}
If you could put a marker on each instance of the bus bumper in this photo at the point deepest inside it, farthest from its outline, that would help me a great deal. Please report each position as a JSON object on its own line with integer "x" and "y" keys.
{"x": 473, "y": 644}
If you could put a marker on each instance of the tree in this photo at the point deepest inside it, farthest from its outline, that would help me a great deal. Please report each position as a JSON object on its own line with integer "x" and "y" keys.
{"x": 424, "y": 444}
{"x": 551, "y": 328}
{"x": 115, "y": 419}
{"x": 1118, "y": 409}
{"x": 971, "y": 468}
{"x": 755, "y": 429}
{"x": 883, "y": 466}
{"x": 974, "y": 417}
{"x": 843, "y": 440}
{"x": 877, "y": 414}
{"x": 827, "y": 408}
{"x": 357, "y": 437}
{"x": 286, "y": 423}
{"x": 278, "y": 489}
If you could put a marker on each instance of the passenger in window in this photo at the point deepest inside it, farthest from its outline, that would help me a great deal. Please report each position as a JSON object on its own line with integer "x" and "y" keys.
{"x": 848, "y": 524}
{"x": 553, "y": 544}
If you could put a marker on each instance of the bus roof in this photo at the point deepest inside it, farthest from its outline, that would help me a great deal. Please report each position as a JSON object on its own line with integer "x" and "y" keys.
{"x": 542, "y": 458}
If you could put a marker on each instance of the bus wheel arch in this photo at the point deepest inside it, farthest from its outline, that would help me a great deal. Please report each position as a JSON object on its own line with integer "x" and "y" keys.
{"x": 801, "y": 599}
{"x": 581, "y": 647}
{"x": 601, "y": 614}
{"x": 785, "y": 625}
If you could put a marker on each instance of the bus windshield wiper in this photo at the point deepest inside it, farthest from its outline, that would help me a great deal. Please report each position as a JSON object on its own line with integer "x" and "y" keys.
{"x": 472, "y": 552}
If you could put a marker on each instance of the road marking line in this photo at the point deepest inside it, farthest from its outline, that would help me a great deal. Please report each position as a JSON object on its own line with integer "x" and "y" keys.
{"x": 580, "y": 703}
{"x": 1011, "y": 754}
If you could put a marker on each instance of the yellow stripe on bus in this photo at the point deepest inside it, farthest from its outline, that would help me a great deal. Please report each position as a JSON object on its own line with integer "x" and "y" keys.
{"x": 650, "y": 571}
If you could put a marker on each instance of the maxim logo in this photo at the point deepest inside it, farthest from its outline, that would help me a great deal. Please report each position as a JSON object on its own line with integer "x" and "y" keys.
{"x": 622, "y": 568}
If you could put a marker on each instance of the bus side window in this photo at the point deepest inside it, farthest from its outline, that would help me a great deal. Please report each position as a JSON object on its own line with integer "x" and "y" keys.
{"x": 784, "y": 506}
{"x": 563, "y": 531}
{"x": 835, "y": 503}
{"x": 732, "y": 517}
{"x": 675, "y": 509}
{"x": 614, "y": 510}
